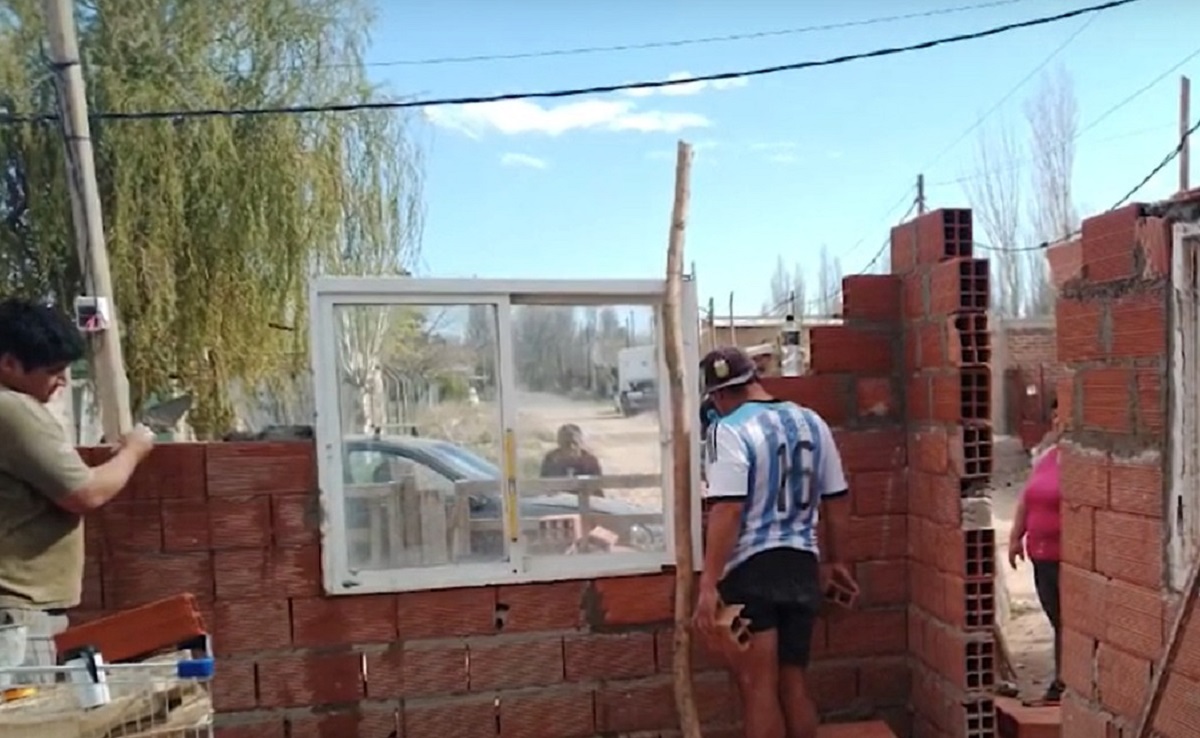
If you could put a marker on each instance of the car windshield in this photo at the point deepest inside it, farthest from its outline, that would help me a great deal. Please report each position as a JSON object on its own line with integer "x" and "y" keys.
{"x": 471, "y": 463}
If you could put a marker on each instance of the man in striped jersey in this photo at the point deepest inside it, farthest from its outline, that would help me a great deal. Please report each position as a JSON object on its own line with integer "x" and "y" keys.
{"x": 771, "y": 465}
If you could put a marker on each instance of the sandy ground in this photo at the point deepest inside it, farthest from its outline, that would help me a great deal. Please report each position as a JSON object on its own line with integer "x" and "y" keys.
{"x": 631, "y": 446}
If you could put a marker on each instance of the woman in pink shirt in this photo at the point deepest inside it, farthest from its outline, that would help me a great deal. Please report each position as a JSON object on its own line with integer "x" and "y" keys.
{"x": 1035, "y": 534}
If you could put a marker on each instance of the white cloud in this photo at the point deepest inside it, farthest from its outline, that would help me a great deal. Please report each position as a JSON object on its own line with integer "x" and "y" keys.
{"x": 784, "y": 158}
{"x": 522, "y": 160}
{"x": 514, "y": 117}
{"x": 776, "y": 146}
{"x": 687, "y": 88}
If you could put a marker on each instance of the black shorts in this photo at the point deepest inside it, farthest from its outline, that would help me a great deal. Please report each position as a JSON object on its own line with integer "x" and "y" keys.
{"x": 779, "y": 590}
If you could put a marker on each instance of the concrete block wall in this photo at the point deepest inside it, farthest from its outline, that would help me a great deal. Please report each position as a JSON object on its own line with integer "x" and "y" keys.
{"x": 1112, "y": 318}
{"x": 951, "y": 569}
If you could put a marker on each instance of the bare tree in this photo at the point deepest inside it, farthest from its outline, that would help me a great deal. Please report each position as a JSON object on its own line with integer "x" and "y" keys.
{"x": 994, "y": 191}
{"x": 828, "y": 300}
{"x": 789, "y": 290}
{"x": 1052, "y": 113}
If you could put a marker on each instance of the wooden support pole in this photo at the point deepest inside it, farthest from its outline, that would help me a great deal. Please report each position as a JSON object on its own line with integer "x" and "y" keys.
{"x": 1187, "y": 608}
{"x": 920, "y": 194}
{"x": 1185, "y": 125}
{"x": 681, "y": 450}
{"x": 112, "y": 386}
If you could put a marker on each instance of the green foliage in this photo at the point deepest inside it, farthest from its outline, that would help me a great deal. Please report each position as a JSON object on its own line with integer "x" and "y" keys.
{"x": 213, "y": 224}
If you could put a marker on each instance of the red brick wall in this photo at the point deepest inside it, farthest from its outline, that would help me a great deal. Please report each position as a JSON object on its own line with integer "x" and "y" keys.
{"x": 1032, "y": 347}
{"x": 951, "y": 554}
{"x": 1112, "y": 339}
{"x": 904, "y": 383}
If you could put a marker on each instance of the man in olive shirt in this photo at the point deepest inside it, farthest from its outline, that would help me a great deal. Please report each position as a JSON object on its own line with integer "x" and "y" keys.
{"x": 45, "y": 487}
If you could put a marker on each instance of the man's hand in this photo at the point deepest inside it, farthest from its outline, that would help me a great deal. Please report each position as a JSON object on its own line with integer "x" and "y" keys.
{"x": 1016, "y": 550}
{"x": 704, "y": 618}
{"x": 139, "y": 442}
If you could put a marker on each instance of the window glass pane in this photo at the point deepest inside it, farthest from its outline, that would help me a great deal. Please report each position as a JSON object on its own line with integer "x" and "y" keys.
{"x": 590, "y": 455}
{"x": 421, "y": 435}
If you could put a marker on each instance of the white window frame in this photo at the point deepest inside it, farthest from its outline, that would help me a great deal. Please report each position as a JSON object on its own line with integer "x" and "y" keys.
{"x": 1183, "y": 487}
{"x": 328, "y": 293}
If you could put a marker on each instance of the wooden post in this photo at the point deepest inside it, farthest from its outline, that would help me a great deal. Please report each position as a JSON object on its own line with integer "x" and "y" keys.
{"x": 1158, "y": 682}
{"x": 1185, "y": 124}
{"x": 732, "y": 329}
{"x": 112, "y": 386}
{"x": 681, "y": 422}
{"x": 920, "y": 194}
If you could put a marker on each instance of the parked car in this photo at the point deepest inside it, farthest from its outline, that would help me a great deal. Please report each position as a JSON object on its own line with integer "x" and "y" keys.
{"x": 438, "y": 465}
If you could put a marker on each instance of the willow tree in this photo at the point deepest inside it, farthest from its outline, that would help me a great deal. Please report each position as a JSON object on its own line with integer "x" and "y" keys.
{"x": 215, "y": 224}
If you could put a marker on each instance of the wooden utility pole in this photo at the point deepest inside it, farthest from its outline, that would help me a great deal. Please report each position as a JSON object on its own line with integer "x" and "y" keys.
{"x": 920, "y": 194}
{"x": 1185, "y": 125}
{"x": 108, "y": 366}
{"x": 681, "y": 451}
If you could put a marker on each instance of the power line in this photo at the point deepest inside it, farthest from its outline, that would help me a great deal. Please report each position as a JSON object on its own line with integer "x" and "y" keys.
{"x": 677, "y": 43}
{"x": 579, "y": 91}
{"x": 1170, "y": 157}
{"x": 1095, "y": 122}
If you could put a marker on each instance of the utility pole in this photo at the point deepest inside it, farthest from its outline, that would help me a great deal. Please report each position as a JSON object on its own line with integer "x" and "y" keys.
{"x": 108, "y": 366}
{"x": 920, "y": 194}
{"x": 1185, "y": 124}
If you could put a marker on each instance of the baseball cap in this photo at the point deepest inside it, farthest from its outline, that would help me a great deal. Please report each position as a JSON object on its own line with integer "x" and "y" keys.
{"x": 726, "y": 367}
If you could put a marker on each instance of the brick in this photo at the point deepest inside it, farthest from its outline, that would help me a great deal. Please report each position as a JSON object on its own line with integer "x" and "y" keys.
{"x": 918, "y": 392}
{"x": 1079, "y": 325}
{"x": 603, "y": 657}
{"x": 930, "y": 450}
{"x": 874, "y": 450}
{"x": 943, "y": 234}
{"x": 1083, "y": 475}
{"x": 447, "y": 613}
{"x": 309, "y": 679}
{"x": 1154, "y": 237}
{"x": 627, "y": 707}
{"x": 1179, "y": 712}
{"x": 137, "y": 579}
{"x": 138, "y": 631}
{"x": 430, "y": 670}
{"x": 882, "y": 583}
{"x": 829, "y": 395}
{"x": 251, "y": 468}
{"x": 1107, "y": 394}
{"x": 1108, "y": 240}
{"x": 132, "y": 526}
{"x": 296, "y": 519}
{"x": 873, "y": 297}
{"x": 365, "y": 720}
{"x": 250, "y": 725}
{"x": 875, "y": 537}
{"x": 1136, "y": 485}
{"x": 1017, "y": 720}
{"x": 268, "y": 572}
{"x": 664, "y": 653}
{"x": 1083, "y": 600}
{"x": 1130, "y": 548}
{"x": 832, "y": 685}
{"x": 233, "y": 685}
{"x": 1134, "y": 619}
{"x": 472, "y": 717}
{"x": 1079, "y": 662}
{"x": 555, "y": 606}
{"x": 185, "y": 525}
{"x": 868, "y": 633}
{"x": 330, "y": 621}
{"x": 1123, "y": 680}
{"x": 1078, "y": 536}
{"x": 571, "y": 714}
{"x": 958, "y": 285}
{"x": 1187, "y": 657}
{"x": 385, "y": 673}
{"x": 834, "y": 349}
{"x": 865, "y": 729}
{"x": 1081, "y": 720}
{"x": 885, "y": 682}
{"x": 879, "y": 493}
{"x": 1150, "y": 393}
{"x": 903, "y": 248}
{"x": 173, "y": 471}
{"x": 643, "y": 600}
{"x": 914, "y": 294}
{"x": 1139, "y": 325}
{"x": 497, "y": 665}
{"x": 242, "y": 626}
{"x": 875, "y": 398}
{"x": 240, "y": 522}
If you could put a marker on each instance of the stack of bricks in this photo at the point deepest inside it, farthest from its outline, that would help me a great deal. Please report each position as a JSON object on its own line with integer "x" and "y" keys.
{"x": 860, "y": 664}
{"x": 951, "y": 542}
{"x": 1112, "y": 317}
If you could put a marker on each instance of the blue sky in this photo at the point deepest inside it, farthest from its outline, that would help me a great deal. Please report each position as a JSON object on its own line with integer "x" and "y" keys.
{"x": 582, "y": 187}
